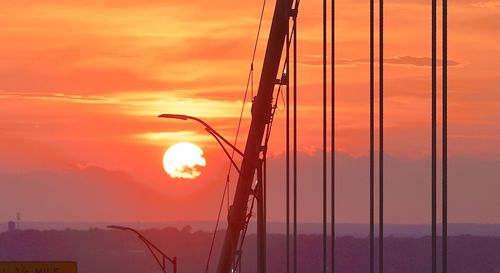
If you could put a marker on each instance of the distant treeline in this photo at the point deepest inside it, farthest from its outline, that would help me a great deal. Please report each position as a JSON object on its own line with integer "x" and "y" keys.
{"x": 101, "y": 250}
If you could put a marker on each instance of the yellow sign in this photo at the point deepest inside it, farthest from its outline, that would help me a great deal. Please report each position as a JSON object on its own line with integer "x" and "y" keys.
{"x": 37, "y": 267}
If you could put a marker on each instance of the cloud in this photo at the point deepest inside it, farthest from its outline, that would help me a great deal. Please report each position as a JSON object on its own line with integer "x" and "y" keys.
{"x": 406, "y": 186}
{"x": 486, "y": 4}
{"x": 232, "y": 96}
{"x": 397, "y": 60}
{"x": 160, "y": 138}
{"x": 44, "y": 184}
{"x": 21, "y": 155}
{"x": 87, "y": 81}
{"x": 478, "y": 137}
{"x": 83, "y": 194}
{"x": 96, "y": 47}
{"x": 417, "y": 61}
{"x": 52, "y": 187}
{"x": 57, "y": 97}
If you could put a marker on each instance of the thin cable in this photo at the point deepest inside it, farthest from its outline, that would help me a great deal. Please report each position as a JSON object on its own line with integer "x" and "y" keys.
{"x": 270, "y": 127}
{"x": 245, "y": 229}
{"x": 258, "y": 30}
{"x": 332, "y": 186}
{"x": 324, "y": 137}
{"x": 286, "y": 70}
{"x": 434, "y": 133}
{"x": 381, "y": 138}
{"x": 216, "y": 226}
{"x": 295, "y": 142}
{"x": 249, "y": 81}
{"x": 372, "y": 137}
{"x": 445, "y": 137}
{"x": 226, "y": 186}
{"x": 293, "y": 41}
{"x": 287, "y": 175}
{"x": 264, "y": 193}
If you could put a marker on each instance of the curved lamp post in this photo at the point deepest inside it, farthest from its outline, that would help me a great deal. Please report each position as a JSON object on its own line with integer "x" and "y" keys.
{"x": 160, "y": 260}
{"x": 211, "y": 131}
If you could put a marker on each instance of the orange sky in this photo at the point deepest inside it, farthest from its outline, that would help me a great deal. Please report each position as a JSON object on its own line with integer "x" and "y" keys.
{"x": 82, "y": 82}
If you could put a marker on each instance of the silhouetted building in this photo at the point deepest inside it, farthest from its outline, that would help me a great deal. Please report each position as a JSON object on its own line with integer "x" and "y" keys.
{"x": 11, "y": 226}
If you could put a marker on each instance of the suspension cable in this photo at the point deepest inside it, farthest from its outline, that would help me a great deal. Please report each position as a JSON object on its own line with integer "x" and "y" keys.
{"x": 216, "y": 225}
{"x": 372, "y": 136}
{"x": 445, "y": 137}
{"x": 434, "y": 141}
{"x": 381, "y": 136}
{"x": 226, "y": 186}
{"x": 285, "y": 71}
{"x": 293, "y": 35}
{"x": 295, "y": 26}
{"x": 324, "y": 212}
{"x": 332, "y": 186}
{"x": 287, "y": 129}
{"x": 249, "y": 82}
{"x": 245, "y": 228}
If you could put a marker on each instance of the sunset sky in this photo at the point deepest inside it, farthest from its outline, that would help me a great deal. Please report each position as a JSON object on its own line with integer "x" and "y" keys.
{"x": 81, "y": 84}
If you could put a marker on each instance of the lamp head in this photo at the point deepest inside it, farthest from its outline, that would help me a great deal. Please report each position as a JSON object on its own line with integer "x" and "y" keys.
{"x": 117, "y": 227}
{"x": 173, "y": 116}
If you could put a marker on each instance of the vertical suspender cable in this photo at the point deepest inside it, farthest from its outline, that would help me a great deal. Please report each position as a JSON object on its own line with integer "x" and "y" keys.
{"x": 381, "y": 139}
{"x": 445, "y": 137}
{"x": 324, "y": 136}
{"x": 295, "y": 143}
{"x": 216, "y": 225}
{"x": 372, "y": 137}
{"x": 264, "y": 201}
{"x": 287, "y": 175}
{"x": 332, "y": 186}
{"x": 434, "y": 156}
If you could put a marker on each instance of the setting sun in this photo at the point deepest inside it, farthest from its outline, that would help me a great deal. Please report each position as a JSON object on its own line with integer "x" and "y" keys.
{"x": 182, "y": 159}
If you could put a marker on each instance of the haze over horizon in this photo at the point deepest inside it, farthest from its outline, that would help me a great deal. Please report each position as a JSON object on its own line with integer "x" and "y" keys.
{"x": 407, "y": 197}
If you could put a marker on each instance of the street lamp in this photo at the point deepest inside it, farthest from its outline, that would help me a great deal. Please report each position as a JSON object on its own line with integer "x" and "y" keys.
{"x": 211, "y": 131}
{"x": 160, "y": 260}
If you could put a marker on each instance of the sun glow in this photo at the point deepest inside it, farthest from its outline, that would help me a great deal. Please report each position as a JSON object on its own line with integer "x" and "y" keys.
{"x": 182, "y": 159}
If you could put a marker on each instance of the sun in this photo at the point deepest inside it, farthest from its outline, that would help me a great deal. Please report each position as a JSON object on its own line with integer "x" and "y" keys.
{"x": 182, "y": 159}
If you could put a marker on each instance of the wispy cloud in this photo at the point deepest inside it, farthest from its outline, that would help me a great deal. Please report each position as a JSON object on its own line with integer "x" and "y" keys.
{"x": 397, "y": 60}
{"x": 481, "y": 137}
{"x": 58, "y": 97}
{"x": 486, "y": 4}
{"x": 160, "y": 138}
